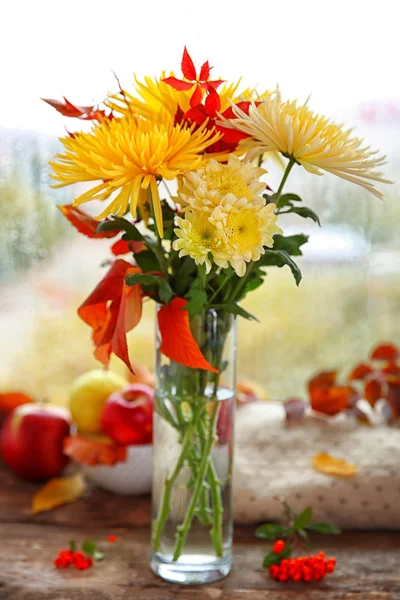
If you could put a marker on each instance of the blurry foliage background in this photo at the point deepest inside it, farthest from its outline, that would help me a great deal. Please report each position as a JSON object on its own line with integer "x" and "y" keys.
{"x": 348, "y": 300}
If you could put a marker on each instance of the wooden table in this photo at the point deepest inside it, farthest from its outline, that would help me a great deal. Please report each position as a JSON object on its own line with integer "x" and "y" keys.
{"x": 368, "y": 562}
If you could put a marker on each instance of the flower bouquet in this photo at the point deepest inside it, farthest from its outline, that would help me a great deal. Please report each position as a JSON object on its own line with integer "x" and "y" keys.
{"x": 196, "y": 250}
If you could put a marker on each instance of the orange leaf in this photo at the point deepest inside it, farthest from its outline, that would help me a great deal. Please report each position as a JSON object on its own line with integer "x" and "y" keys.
{"x": 385, "y": 352}
{"x": 322, "y": 379}
{"x": 373, "y": 390}
{"x": 360, "y": 371}
{"x": 329, "y": 465}
{"x": 57, "y": 492}
{"x": 177, "y": 341}
{"x": 11, "y": 400}
{"x": 92, "y": 452}
{"x": 84, "y": 223}
{"x": 113, "y": 309}
{"x": 391, "y": 368}
{"x": 123, "y": 247}
{"x": 331, "y": 400}
{"x": 67, "y": 109}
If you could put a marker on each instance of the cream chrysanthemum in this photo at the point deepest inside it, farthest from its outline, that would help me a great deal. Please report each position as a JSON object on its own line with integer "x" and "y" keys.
{"x": 311, "y": 140}
{"x": 206, "y": 188}
{"x": 199, "y": 238}
{"x": 246, "y": 229}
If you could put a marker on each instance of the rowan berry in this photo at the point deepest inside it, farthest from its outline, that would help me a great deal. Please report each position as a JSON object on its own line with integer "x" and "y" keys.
{"x": 278, "y": 546}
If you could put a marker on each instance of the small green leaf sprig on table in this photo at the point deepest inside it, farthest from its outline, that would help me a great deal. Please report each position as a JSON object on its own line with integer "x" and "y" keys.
{"x": 288, "y": 540}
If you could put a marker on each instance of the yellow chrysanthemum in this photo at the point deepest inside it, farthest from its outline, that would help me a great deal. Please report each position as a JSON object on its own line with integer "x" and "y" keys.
{"x": 309, "y": 139}
{"x": 199, "y": 238}
{"x": 128, "y": 155}
{"x": 247, "y": 229}
{"x": 206, "y": 188}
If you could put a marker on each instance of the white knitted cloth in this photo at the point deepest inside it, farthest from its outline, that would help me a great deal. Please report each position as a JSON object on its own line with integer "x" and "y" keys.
{"x": 273, "y": 458}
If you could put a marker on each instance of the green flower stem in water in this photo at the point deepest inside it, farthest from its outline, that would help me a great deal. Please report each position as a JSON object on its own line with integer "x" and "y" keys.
{"x": 184, "y": 528}
{"x": 165, "y": 505}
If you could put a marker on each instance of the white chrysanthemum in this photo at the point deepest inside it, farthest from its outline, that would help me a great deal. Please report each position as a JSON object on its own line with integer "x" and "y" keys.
{"x": 206, "y": 188}
{"x": 246, "y": 229}
{"x": 312, "y": 140}
{"x": 200, "y": 239}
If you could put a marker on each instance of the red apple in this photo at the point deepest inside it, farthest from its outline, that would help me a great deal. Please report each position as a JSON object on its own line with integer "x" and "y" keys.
{"x": 128, "y": 415}
{"x": 31, "y": 441}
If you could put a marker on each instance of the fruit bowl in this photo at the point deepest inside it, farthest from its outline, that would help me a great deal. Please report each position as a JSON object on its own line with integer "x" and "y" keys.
{"x": 129, "y": 478}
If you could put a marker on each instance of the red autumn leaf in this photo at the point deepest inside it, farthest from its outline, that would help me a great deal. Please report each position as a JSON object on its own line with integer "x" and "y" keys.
{"x": 204, "y": 71}
{"x": 11, "y": 400}
{"x": 67, "y": 109}
{"x": 214, "y": 84}
{"x": 196, "y": 97}
{"x": 198, "y": 115}
{"x": 113, "y": 309}
{"x": 213, "y": 102}
{"x": 385, "y": 352}
{"x": 360, "y": 371}
{"x": 391, "y": 369}
{"x": 84, "y": 223}
{"x": 373, "y": 390}
{"x": 394, "y": 397}
{"x": 123, "y": 247}
{"x": 92, "y": 452}
{"x": 178, "y": 84}
{"x": 331, "y": 400}
{"x": 187, "y": 66}
{"x": 322, "y": 380}
{"x": 177, "y": 341}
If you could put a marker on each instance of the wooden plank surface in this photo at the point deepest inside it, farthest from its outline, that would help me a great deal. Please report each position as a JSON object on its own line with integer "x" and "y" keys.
{"x": 368, "y": 562}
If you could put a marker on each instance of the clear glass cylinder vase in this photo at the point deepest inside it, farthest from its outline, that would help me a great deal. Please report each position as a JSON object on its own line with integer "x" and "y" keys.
{"x": 193, "y": 455}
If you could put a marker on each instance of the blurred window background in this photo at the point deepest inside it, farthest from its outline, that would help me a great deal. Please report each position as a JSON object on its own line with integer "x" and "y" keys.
{"x": 343, "y": 53}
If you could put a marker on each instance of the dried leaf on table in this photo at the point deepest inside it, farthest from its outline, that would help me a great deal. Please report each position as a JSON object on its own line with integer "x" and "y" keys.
{"x": 329, "y": 465}
{"x": 331, "y": 400}
{"x": 93, "y": 452}
{"x": 58, "y": 491}
{"x": 322, "y": 380}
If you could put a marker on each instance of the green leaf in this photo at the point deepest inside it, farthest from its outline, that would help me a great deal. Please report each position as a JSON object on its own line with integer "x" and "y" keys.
{"x": 271, "y": 531}
{"x": 146, "y": 279}
{"x": 302, "y": 519}
{"x": 280, "y": 258}
{"x": 324, "y": 528}
{"x": 287, "y": 199}
{"x": 72, "y": 545}
{"x": 291, "y": 243}
{"x": 236, "y": 310}
{"x": 89, "y": 547}
{"x": 197, "y": 298}
{"x": 147, "y": 261}
{"x": 305, "y": 212}
{"x": 273, "y": 559}
{"x": 132, "y": 233}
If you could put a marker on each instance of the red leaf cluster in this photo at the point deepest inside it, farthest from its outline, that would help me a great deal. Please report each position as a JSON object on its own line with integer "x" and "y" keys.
{"x": 111, "y": 310}
{"x": 368, "y": 380}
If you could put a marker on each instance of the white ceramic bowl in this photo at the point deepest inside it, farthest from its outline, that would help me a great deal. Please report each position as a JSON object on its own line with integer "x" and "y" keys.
{"x": 131, "y": 477}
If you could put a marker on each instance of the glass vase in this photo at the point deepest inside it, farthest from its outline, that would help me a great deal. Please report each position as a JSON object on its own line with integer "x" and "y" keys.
{"x": 193, "y": 454}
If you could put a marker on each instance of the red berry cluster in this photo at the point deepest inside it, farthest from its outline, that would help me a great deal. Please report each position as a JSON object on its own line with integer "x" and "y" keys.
{"x": 302, "y": 568}
{"x": 79, "y": 560}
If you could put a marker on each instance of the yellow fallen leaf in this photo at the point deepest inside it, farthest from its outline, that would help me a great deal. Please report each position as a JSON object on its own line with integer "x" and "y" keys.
{"x": 325, "y": 463}
{"x": 57, "y": 492}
